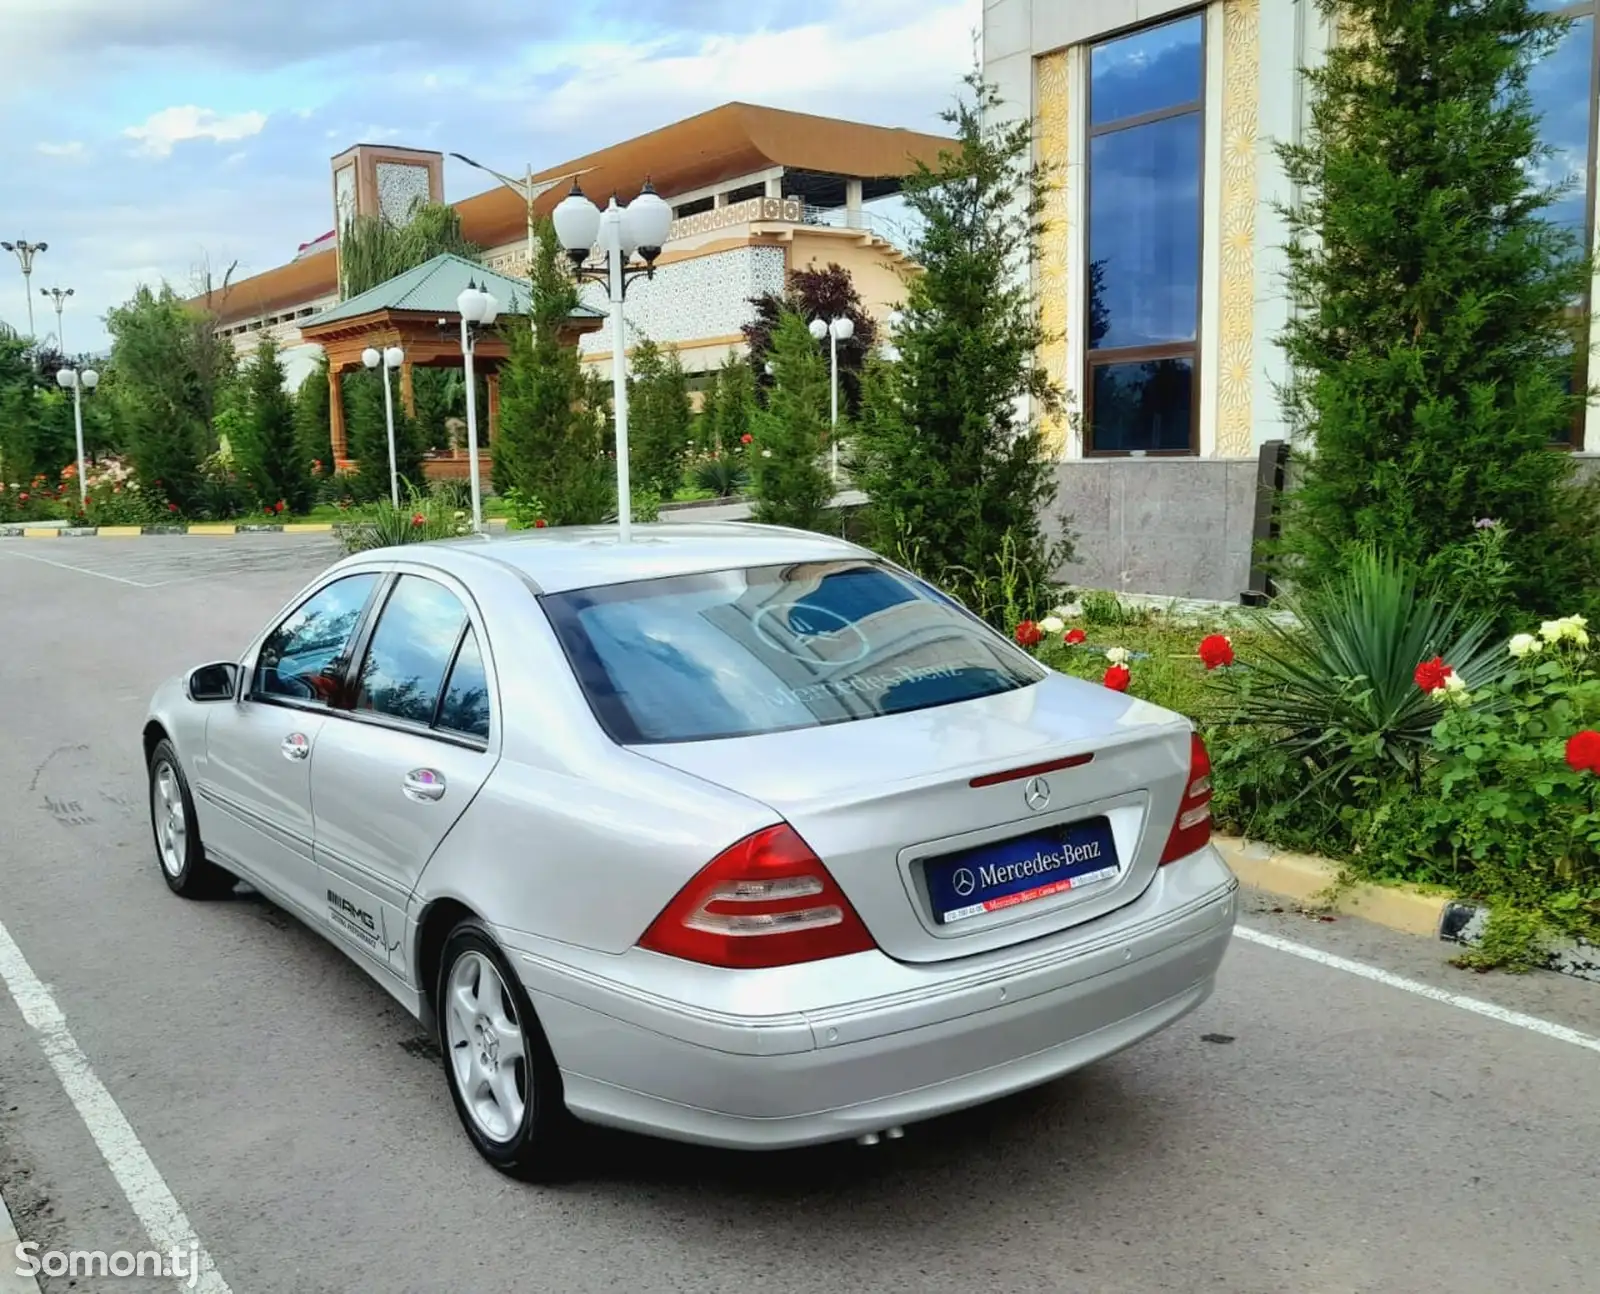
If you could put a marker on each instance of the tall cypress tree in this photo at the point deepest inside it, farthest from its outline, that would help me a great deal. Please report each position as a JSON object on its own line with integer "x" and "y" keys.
{"x": 1433, "y": 340}
{"x": 790, "y": 482}
{"x": 270, "y": 454}
{"x": 660, "y": 420}
{"x": 957, "y": 482}
{"x": 550, "y": 443}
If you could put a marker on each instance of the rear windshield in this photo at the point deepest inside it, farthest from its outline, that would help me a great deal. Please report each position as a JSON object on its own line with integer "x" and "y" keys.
{"x": 736, "y": 653}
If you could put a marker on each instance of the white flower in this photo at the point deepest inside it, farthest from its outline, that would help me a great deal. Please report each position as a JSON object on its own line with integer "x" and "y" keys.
{"x": 1522, "y": 645}
{"x": 1052, "y": 624}
{"x": 1571, "y": 629}
{"x": 1455, "y": 684}
{"x": 1118, "y": 655}
{"x": 1439, "y": 693}
{"x": 766, "y": 453}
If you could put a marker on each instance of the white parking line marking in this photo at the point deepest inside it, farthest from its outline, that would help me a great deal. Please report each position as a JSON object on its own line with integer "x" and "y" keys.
{"x": 164, "y": 1221}
{"x": 82, "y": 570}
{"x": 1477, "y": 1006}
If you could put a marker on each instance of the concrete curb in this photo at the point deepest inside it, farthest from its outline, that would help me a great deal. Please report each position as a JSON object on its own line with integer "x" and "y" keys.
{"x": 1314, "y": 881}
{"x": 10, "y": 1281}
{"x": 1311, "y": 880}
{"x": 211, "y": 528}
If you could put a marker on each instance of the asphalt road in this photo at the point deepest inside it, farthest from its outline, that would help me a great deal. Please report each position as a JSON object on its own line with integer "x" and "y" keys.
{"x": 1308, "y": 1130}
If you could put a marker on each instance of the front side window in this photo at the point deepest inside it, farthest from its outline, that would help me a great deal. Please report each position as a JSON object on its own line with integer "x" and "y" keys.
{"x": 766, "y": 649}
{"x": 1146, "y": 164}
{"x": 304, "y": 658}
{"x": 411, "y": 650}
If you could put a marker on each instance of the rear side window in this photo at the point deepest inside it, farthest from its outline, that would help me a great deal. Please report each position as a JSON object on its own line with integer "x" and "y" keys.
{"x": 737, "y": 653}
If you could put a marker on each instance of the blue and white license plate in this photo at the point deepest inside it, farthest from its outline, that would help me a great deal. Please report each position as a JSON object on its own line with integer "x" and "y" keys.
{"x": 1021, "y": 870}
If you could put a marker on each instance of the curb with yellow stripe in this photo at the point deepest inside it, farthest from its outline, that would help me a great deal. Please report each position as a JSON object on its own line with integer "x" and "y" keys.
{"x": 197, "y": 528}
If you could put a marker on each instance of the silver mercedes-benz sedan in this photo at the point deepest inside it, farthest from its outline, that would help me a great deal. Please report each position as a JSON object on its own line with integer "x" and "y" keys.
{"x": 732, "y": 834}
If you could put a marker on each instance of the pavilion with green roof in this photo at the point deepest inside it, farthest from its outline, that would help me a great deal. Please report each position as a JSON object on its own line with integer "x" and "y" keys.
{"x": 416, "y": 311}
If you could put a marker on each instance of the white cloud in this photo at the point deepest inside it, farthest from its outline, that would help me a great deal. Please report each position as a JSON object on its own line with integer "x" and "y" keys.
{"x": 72, "y": 148}
{"x": 908, "y": 67}
{"x": 161, "y": 131}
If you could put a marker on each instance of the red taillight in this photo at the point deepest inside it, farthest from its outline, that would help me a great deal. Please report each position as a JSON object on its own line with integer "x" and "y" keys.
{"x": 765, "y": 901}
{"x": 1191, "y": 830}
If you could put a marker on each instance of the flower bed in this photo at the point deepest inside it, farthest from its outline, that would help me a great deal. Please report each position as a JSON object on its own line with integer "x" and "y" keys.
{"x": 1413, "y": 748}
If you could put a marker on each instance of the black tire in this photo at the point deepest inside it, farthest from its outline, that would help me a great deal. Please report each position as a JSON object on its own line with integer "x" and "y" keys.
{"x": 540, "y": 1148}
{"x": 197, "y": 877}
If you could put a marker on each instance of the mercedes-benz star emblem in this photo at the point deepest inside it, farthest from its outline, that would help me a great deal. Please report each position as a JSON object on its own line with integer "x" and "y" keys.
{"x": 964, "y": 881}
{"x": 1036, "y": 793}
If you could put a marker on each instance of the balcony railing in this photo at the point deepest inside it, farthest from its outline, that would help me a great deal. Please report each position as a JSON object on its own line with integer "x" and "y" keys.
{"x": 787, "y": 210}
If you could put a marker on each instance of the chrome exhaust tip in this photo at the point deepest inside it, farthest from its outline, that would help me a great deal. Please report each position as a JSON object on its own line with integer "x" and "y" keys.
{"x": 867, "y": 1139}
{"x": 894, "y": 1134}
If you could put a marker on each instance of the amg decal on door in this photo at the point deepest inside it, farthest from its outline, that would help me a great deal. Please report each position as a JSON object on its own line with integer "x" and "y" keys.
{"x": 356, "y": 921}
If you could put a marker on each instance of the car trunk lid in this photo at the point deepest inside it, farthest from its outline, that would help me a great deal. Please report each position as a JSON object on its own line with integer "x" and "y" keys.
{"x": 897, "y": 806}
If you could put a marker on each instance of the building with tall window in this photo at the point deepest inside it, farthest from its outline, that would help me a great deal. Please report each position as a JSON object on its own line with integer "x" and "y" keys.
{"x": 1161, "y": 269}
{"x": 1160, "y": 273}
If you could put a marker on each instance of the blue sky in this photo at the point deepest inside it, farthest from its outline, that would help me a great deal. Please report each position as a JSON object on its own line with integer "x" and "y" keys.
{"x": 145, "y": 139}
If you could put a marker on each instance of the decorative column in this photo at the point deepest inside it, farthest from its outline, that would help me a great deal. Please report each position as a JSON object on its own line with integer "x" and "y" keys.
{"x": 336, "y": 416}
{"x": 493, "y": 380}
{"x": 408, "y": 395}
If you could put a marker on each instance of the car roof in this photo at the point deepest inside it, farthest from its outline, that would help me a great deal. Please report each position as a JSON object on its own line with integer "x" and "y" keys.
{"x": 559, "y": 558}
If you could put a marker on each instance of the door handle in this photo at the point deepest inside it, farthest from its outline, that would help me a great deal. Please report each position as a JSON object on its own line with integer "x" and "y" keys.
{"x": 296, "y": 746}
{"x": 424, "y": 784}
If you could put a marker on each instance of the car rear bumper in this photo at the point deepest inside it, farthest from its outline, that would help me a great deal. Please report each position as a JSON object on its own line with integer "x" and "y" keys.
{"x": 864, "y": 1044}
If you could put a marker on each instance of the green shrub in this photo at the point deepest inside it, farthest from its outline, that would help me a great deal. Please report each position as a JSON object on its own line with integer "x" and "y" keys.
{"x": 722, "y": 473}
{"x": 1502, "y": 815}
{"x": 418, "y": 519}
{"x": 1336, "y": 696}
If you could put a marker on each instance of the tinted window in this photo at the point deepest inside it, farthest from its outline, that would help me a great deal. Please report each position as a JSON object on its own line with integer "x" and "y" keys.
{"x": 304, "y": 657}
{"x": 1144, "y": 232}
{"x": 1143, "y": 406}
{"x": 1147, "y": 71}
{"x": 735, "y": 653}
{"x": 1559, "y": 87}
{"x": 465, "y": 708}
{"x": 411, "y": 648}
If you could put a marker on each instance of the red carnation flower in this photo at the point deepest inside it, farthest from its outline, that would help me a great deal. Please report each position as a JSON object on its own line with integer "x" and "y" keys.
{"x": 266, "y": 509}
{"x": 1431, "y": 674}
{"x": 1583, "y": 751}
{"x": 746, "y": 438}
{"x": 172, "y": 507}
{"x": 1029, "y": 634}
{"x": 1118, "y": 677}
{"x": 1073, "y": 637}
{"x": 278, "y": 507}
{"x": 23, "y": 497}
{"x": 1215, "y": 650}
{"x": 540, "y": 524}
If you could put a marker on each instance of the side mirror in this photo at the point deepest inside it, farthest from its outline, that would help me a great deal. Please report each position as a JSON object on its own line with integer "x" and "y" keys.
{"x": 214, "y": 682}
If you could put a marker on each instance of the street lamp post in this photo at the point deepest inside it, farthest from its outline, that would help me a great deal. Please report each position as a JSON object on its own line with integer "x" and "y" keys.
{"x": 530, "y": 192}
{"x": 478, "y": 310}
{"x": 391, "y": 359}
{"x": 59, "y": 295}
{"x": 617, "y": 233}
{"x": 25, "y": 252}
{"x": 78, "y": 381}
{"x": 841, "y": 329}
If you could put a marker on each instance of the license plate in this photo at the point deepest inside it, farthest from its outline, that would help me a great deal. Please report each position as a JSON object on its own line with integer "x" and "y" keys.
{"x": 1021, "y": 870}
